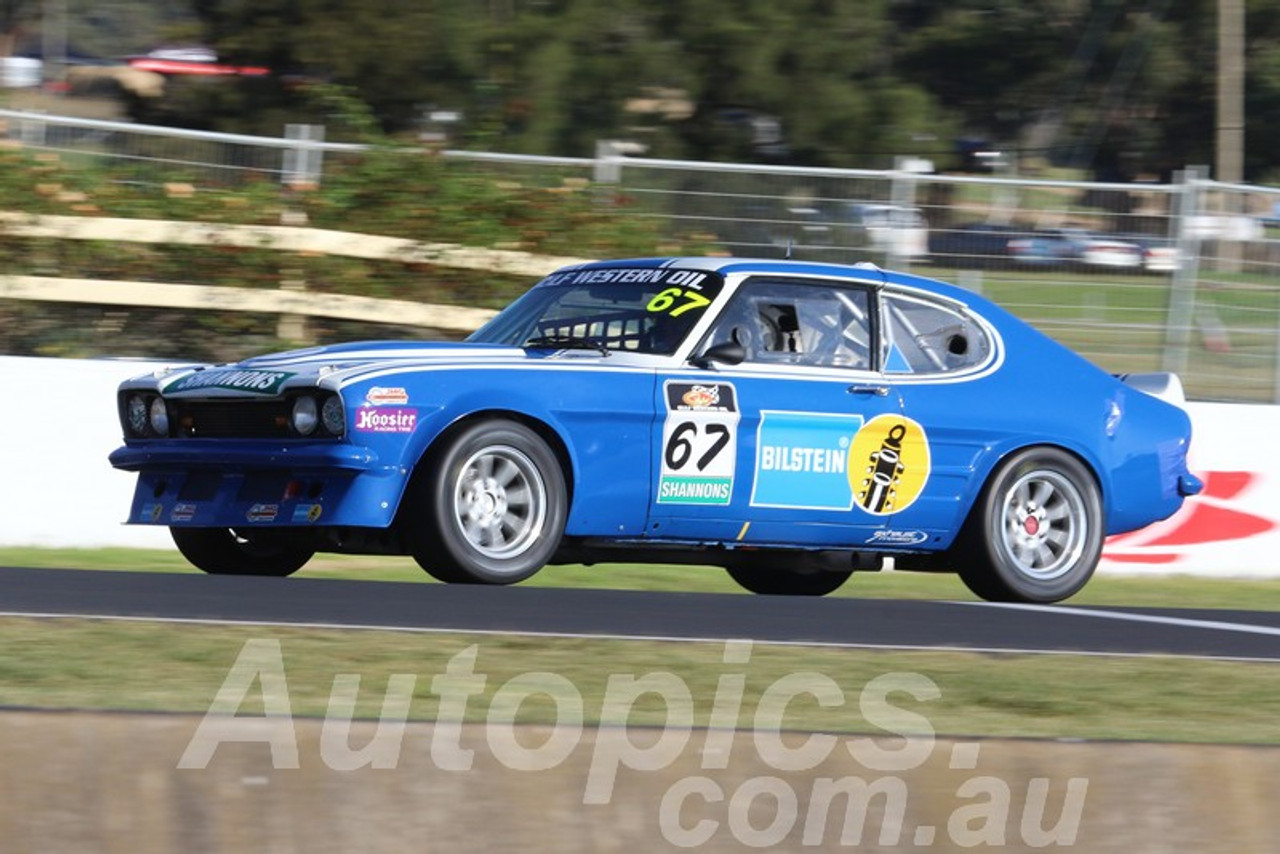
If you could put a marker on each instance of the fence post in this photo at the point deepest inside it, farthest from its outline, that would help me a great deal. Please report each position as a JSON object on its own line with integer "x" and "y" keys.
{"x": 1182, "y": 284}
{"x": 302, "y": 164}
{"x": 32, "y": 131}
{"x": 301, "y": 167}
{"x": 610, "y": 155}
{"x": 902, "y": 197}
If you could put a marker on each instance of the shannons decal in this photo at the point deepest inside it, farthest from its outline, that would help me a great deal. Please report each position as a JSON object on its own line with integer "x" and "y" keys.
{"x": 255, "y": 382}
{"x": 888, "y": 464}
{"x": 699, "y": 443}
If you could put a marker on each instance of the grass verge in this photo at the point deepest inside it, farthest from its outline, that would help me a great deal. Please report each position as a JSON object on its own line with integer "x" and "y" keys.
{"x": 74, "y": 663}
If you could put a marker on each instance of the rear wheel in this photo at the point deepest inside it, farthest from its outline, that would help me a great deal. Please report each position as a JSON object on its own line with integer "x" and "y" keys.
{"x": 493, "y": 505}
{"x": 1037, "y": 531}
{"x": 229, "y": 551}
{"x": 777, "y": 581}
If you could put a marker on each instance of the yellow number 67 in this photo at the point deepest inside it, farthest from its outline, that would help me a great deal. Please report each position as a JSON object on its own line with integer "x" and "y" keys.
{"x": 666, "y": 301}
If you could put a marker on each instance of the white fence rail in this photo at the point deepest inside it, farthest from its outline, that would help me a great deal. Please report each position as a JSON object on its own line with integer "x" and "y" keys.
{"x": 1187, "y": 278}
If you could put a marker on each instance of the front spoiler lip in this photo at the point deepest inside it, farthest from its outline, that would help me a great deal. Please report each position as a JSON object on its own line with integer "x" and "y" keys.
{"x": 189, "y": 454}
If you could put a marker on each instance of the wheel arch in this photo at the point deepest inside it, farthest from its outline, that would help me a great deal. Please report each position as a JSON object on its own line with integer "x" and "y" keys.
{"x": 442, "y": 439}
{"x": 998, "y": 460}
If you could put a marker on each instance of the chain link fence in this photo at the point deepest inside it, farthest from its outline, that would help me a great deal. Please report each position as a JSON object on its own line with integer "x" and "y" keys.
{"x": 1179, "y": 276}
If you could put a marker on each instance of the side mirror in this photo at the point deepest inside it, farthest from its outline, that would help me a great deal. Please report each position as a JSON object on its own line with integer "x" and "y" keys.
{"x": 727, "y": 352}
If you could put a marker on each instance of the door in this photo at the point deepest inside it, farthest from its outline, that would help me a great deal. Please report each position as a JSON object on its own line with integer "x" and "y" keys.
{"x": 778, "y": 449}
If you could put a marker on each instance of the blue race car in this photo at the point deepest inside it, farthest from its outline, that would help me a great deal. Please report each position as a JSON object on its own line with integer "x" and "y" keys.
{"x": 791, "y": 422}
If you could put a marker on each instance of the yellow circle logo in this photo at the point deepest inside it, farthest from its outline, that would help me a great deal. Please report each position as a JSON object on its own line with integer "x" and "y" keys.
{"x": 888, "y": 464}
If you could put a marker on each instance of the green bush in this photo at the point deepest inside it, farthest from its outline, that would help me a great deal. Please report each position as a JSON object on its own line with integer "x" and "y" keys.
{"x": 394, "y": 191}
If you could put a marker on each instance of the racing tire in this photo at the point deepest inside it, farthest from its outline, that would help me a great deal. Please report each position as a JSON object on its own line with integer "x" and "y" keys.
{"x": 227, "y": 551}
{"x": 493, "y": 503}
{"x": 1036, "y": 533}
{"x": 775, "y": 581}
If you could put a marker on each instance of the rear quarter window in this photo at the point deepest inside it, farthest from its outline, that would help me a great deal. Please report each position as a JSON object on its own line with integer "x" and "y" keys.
{"x": 923, "y": 336}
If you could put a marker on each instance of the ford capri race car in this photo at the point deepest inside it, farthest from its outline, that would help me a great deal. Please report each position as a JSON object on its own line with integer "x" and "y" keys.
{"x": 788, "y": 421}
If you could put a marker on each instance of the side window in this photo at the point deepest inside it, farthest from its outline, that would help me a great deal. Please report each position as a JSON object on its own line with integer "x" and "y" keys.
{"x": 930, "y": 338}
{"x": 798, "y": 323}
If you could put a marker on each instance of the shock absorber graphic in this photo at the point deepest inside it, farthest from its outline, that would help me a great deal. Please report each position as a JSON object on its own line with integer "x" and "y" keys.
{"x": 885, "y": 467}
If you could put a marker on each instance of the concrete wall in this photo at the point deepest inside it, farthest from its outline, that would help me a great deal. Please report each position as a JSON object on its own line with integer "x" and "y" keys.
{"x": 58, "y": 489}
{"x": 104, "y": 782}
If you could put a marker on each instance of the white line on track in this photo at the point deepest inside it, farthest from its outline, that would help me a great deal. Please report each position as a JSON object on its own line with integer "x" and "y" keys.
{"x": 424, "y": 630}
{"x": 1181, "y": 622}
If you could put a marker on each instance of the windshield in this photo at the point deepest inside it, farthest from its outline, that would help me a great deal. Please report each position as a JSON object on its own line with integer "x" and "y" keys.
{"x": 638, "y": 309}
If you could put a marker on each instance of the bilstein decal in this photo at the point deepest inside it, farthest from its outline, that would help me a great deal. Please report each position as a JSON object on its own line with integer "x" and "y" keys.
{"x": 888, "y": 464}
{"x": 802, "y": 460}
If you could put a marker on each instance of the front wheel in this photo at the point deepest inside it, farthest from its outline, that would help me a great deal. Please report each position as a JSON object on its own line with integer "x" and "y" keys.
{"x": 1036, "y": 533}
{"x": 776, "y": 581}
{"x": 229, "y": 551}
{"x": 493, "y": 502}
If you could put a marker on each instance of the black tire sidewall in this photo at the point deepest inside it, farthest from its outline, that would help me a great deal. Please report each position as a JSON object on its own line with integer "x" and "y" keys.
{"x": 217, "y": 551}
{"x": 777, "y": 581}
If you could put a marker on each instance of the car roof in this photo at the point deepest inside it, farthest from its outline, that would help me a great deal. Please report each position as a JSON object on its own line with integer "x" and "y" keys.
{"x": 726, "y": 265}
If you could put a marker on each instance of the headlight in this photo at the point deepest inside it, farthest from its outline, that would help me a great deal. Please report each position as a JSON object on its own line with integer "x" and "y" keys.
{"x": 304, "y": 415}
{"x": 332, "y": 416}
{"x": 159, "y": 417}
{"x": 136, "y": 414}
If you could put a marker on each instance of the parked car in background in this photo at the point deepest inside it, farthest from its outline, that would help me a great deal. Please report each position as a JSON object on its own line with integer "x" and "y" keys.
{"x": 791, "y": 422}
{"x": 834, "y": 231}
{"x": 1159, "y": 254}
{"x": 1076, "y": 247}
{"x": 896, "y": 231}
{"x": 974, "y": 244}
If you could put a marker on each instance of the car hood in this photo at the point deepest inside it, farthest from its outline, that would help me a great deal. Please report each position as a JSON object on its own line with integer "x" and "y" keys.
{"x": 331, "y": 367}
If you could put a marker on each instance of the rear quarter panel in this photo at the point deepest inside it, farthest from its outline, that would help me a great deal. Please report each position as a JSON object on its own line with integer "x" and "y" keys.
{"x": 1044, "y": 394}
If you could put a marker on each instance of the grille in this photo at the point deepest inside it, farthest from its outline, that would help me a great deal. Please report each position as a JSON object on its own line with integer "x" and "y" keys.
{"x": 231, "y": 419}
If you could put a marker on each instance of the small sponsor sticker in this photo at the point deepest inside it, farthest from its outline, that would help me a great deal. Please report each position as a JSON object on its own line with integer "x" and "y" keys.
{"x": 307, "y": 512}
{"x": 386, "y": 419}
{"x": 182, "y": 512}
{"x": 153, "y": 512}
{"x": 702, "y": 397}
{"x": 387, "y": 396}
{"x": 898, "y": 538}
{"x": 263, "y": 513}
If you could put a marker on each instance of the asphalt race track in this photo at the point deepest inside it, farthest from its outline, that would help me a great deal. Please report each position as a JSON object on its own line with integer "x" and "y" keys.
{"x": 867, "y": 623}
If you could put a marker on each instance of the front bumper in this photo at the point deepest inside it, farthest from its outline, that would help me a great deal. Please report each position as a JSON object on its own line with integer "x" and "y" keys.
{"x": 203, "y": 484}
